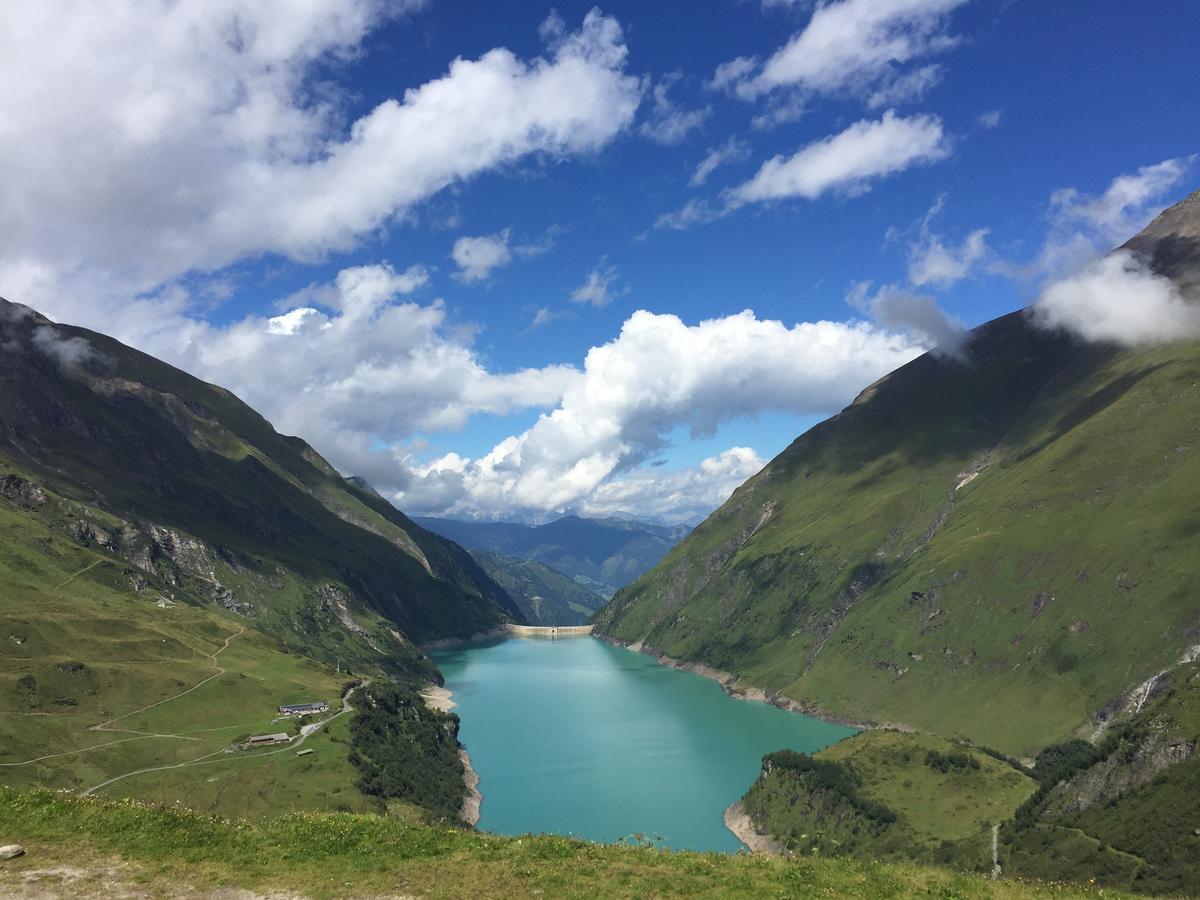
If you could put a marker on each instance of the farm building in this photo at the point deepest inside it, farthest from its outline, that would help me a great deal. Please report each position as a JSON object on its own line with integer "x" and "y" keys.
{"x": 266, "y": 740}
{"x": 303, "y": 709}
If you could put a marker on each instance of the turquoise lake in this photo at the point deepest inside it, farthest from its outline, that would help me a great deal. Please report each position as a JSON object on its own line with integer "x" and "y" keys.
{"x": 575, "y": 736}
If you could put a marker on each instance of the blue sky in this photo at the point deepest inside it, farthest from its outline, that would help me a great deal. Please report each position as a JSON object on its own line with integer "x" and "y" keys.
{"x": 177, "y": 195}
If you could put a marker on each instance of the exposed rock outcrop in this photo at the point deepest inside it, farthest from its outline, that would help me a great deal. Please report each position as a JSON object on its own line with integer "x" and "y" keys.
{"x": 24, "y": 493}
{"x": 739, "y": 822}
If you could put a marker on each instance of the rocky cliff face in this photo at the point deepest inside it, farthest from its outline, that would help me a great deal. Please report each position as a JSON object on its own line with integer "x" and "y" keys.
{"x": 1142, "y": 746}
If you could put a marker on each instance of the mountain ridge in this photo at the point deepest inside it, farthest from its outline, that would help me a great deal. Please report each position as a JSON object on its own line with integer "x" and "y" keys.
{"x": 190, "y": 480}
{"x": 544, "y": 595}
{"x": 958, "y": 547}
{"x": 600, "y": 554}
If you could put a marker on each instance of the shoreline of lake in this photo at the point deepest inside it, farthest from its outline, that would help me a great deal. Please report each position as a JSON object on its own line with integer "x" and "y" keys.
{"x": 738, "y": 821}
{"x": 473, "y": 801}
{"x": 732, "y": 686}
{"x": 584, "y": 739}
{"x": 440, "y": 698}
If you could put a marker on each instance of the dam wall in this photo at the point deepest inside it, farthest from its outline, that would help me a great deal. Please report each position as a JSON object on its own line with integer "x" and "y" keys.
{"x": 547, "y": 631}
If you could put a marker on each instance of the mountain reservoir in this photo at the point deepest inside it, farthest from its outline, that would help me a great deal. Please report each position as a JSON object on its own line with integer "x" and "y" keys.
{"x": 575, "y": 736}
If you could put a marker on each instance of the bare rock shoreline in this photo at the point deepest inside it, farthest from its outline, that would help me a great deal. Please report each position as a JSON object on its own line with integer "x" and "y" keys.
{"x": 733, "y": 687}
{"x": 473, "y": 800}
{"x": 738, "y": 821}
{"x": 439, "y": 698}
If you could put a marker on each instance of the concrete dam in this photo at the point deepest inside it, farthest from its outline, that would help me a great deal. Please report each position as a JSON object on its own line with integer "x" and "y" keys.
{"x": 547, "y": 631}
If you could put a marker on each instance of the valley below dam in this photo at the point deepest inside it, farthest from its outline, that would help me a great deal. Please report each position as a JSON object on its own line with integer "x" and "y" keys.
{"x": 578, "y": 737}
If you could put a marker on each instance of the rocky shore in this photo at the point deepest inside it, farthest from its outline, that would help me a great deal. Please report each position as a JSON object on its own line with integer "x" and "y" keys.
{"x": 442, "y": 699}
{"x": 737, "y": 821}
{"x": 734, "y": 688}
{"x": 439, "y": 698}
{"x": 473, "y": 800}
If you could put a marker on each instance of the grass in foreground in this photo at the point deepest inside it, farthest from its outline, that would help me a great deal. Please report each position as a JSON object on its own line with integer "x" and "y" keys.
{"x": 171, "y": 851}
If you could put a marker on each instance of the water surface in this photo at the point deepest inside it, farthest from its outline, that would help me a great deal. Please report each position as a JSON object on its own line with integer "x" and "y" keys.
{"x": 575, "y": 736}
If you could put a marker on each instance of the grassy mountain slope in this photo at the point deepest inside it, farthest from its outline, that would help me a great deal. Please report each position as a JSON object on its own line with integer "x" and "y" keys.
{"x": 118, "y": 680}
{"x": 1120, "y": 812}
{"x": 111, "y": 849}
{"x": 885, "y": 794}
{"x": 180, "y": 478}
{"x": 600, "y": 554}
{"x": 544, "y": 595}
{"x": 81, "y": 650}
{"x": 998, "y": 547}
{"x": 172, "y": 570}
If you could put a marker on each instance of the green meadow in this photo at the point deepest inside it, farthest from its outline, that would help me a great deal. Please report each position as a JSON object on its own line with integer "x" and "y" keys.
{"x": 99, "y": 681}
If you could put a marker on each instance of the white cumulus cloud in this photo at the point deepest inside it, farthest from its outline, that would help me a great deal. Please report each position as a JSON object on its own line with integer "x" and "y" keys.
{"x": 68, "y": 352}
{"x": 1116, "y": 299}
{"x": 678, "y": 495}
{"x": 1085, "y": 225}
{"x": 733, "y": 150}
{"x": 931, "y": 262}
{"x": 476, "y": 257}
{"x": 851, "y": 45}
{"x": 1124, "y": 207}
{"x": 897, "y": 309}
{"x": 669, "y": 123}
{"x": 146, "y": 141}
{"x": 907, "y": 88}
{"x": 694, "y": 212}
{"x": 356, "y": 362}
{"x": 657, "y": 375}
{"x": 849, "y": 161}
{"x": 598, "y": 289}
{"x": 991, "y": 119}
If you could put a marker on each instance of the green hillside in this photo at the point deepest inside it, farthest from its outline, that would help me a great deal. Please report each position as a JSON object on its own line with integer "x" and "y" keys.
{"x": 999, "y": 547}
{"x": 120, "y": 691}
{"x": 178, "y": 478}
{"x": 172, "y": 570}
{"x": 125, "y": 849}
{"x": 885, "y": 794}
{"x": 543, "y": 595}
{"x": 602, "y": 555}
{"x": 1117, "y": 812}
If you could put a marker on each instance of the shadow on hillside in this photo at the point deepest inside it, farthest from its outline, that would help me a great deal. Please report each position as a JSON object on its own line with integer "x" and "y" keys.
{"x": 1091, "y": 406}
{"x": 1174, "y": 256}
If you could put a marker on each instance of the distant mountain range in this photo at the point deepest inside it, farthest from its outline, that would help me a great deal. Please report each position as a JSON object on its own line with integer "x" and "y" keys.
{"x": 1002, "y": 546}
{"x": 544, "y": 595}
{"x": 602, "y": 555}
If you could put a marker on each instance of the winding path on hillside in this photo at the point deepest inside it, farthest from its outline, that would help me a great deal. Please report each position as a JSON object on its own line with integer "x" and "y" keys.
{"x": 305, "y": 732}
{"x": 138, "y": 735}
{"x": 71, "y": 578}
{"x": 107, "y": 726}
{"x": 104, "y": 726}
{"x": 996, "y": 850}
